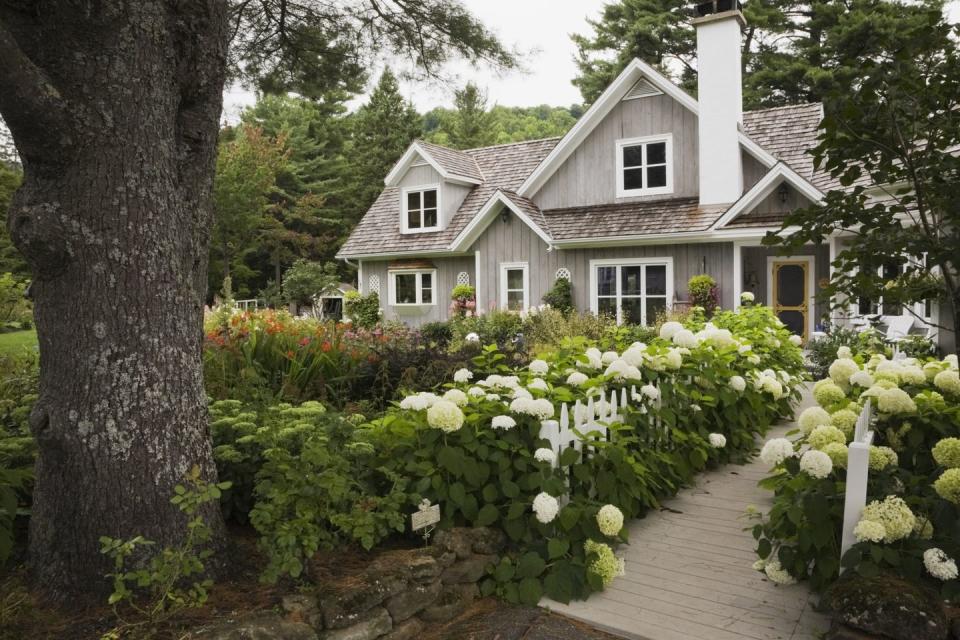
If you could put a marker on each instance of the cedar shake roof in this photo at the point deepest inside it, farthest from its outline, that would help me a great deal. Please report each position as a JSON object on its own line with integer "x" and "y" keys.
{"x": 755, "y": 220}
{"x": 785, "y": 132}
{"x": 460, "y": 163}
{"x": 504, "y": 167}
{"x": 632, "y": 219}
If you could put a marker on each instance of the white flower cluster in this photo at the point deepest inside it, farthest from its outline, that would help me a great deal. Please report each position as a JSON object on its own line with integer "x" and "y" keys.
{"x": 503, "y": 422}
{"x": 545, "y": 455}
{"x": 462, "y": 375}
{"x": 546, "y": 507}
{"x": 539, "y": 367}
{"x": 445, "y": 415}
{"x": 811, "y": 418}
{"x": 841, "y": 369}
{"x": 747, "y": 296}
{"x": 540, "y": 408}
{"x": 456, "y": 396}
{"x": 737, "y": 383}
{"x": 577, "y": 378}
{"x": 816, "y": 464}
{"x": 610, "y": 520}
{"x": 594, "y": 358}
{"x": 939, "y": 565}
{"x": 894, "y": 517}
{"x": 496, "y": 382}
{"x": 419, "y": 401}
{"x": 670, "y": 329}
{"x": 685, "y": 338}
{"x": 796, "y": 340}
{"x": 717, "y": 440}
{"x": 539, "y": 384}
{"x": 776, "y": 451}
{"x": 776, "y": 573}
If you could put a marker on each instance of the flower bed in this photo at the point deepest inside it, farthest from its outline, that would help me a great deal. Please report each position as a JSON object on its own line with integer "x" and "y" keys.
{"x": 909, "y": 526}
{"x": 700, "y": 393}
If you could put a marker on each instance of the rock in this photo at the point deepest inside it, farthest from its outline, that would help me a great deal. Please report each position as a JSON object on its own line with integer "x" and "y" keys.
{"x": 418, "y": 565}
{"x": 415, "y": 598}
{"x": 458, "y": 540}
{"x": 406, "y": 630}
{"x": 469, "y": 570}
{"x": 372, "y": 624}
{"x": 843, "y": 632}
{"x": 452, "y": 602}
{"x": 488, "y": 541}
{"x": 303, "y": 608}
{"x": 257, "y": 627}
{"x": 888, "y": 606}
{"x": 345, "y": 603}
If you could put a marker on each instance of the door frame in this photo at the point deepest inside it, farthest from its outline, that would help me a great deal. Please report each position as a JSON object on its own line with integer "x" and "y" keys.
{"x": 811, "y": 284}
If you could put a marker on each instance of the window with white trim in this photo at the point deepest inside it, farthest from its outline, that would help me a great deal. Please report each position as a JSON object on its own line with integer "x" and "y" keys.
{"x": 514, "y": 286}
{"x": 633, "y": 291}
{"x": 412, "y": 287}
{"x": 421, "y": 209}
{"x": 890, "y": 271}
{"x": 645, "y": 166}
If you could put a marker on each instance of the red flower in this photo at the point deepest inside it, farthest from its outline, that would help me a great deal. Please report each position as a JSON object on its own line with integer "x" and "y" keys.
{"x": 304, "y": 342}
{"x": 326, "y": 346}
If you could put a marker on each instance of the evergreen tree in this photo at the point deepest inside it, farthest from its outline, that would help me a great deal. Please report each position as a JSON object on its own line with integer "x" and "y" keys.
{"x": 10, "y": 259}
{"x": 381, "y": 131}
{"x": 792, "y": 51}
{"x": 473, "y": 125}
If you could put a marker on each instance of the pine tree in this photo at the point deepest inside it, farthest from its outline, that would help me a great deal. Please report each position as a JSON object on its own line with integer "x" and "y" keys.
{"x": 382, "y": 129}
{"x": 472, "y": 126}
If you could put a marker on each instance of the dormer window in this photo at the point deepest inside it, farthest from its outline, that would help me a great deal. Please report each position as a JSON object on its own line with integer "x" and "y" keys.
{"x": 645, "y": 166}
{"x": 421, "y": 209}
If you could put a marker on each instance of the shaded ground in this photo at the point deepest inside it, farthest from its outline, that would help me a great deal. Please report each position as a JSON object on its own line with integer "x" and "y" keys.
{"x": 489, "y": 619}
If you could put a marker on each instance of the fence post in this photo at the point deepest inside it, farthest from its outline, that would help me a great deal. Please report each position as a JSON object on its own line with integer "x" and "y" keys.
{"x": 858, "y": 469}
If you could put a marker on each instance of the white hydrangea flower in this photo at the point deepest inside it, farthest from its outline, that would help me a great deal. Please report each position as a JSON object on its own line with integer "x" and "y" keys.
{"x": 594, "y": 358}
{"x": 753, "y": 358}
{"x": 541, "y": 408}
{"x": 869, "y": 531}
{"x": 776, "y": 451}
{"x": 456, "y": 396}
{"x": 617, "y": 369}
{"x": 737, "y": 383}
{"x": 419, "y": 401}
{"x": 609, "y": 356}
{"x": 844, "y": 352}
{"x": 746, "y": 296}
{"x": 777, "y": 574}
{"x": 472, "y": 337}
{"x": 717, "y": 440}
{"x": 503, "y": 422}
{"x": 633, "y": 356}
{"x": 445, "y": 415}
{"x": 539, "y": 367}
{"x": 841, "y": 369}
{"x": 669, "y": 329}
{"x": 545, "y": 455}
{"x": 773, "y": 387}
{"x": 463, "y": 375}
{"x": 744, "y": 349}
{"x": 939, "y": 565}
{"x": 577, "y": 378}
{"x": 538, "y": 384}
{"x": 812, "y": 417}
{"x": 695, "y": 408}
{"x": 492, "y": 397}
{"x": 476, "y": 392}
{"x": 816, "y": 464}
{"x": 610, "y": 520}
{"x": 796, "y": 340}
{"x": 650, "y": 391}
{"x": 520, "y": 392}
{"x": 862, "y": 378}
{"x": 948, "y": 381}
{"x": 673, "y": 359}
{"x": 546, "y": 507}
{"x": 685, "y": 338}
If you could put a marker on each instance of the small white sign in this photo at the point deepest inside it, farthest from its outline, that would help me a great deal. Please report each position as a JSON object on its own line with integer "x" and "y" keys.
{"x": 425, "y": 517}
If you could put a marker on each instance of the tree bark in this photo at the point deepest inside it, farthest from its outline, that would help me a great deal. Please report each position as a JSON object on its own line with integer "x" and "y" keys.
{"x": 114, "y": 106}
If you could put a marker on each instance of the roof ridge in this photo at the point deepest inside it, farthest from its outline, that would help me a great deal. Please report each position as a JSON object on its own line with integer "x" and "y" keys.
{"x": 509, "y": 144}
{"x": 784, "y": 106}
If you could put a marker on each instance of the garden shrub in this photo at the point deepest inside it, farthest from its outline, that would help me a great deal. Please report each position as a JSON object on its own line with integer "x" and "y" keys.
{"x": 909, "y": 525}
{"x": 463, "y": 300}
{"x": 704, "y": 293}
{"x": 548, "y": 328}
{"x": 305, "y": 280}
{"x": 363, "y": 310}
{"x": 436, "y": 334}
{"x": 476, "y": 449}
{"x": 560, "y": 296}
{"x": 18, "y": 392}
{"x": 16, "y": 311}
{"x": 502, "y": 328}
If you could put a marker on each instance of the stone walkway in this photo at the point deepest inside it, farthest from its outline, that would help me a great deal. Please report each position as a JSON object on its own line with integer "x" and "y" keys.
{"x": 689, "y": 575}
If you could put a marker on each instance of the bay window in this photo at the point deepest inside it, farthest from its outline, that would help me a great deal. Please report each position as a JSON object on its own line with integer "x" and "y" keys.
{"x": 634, "y": 291}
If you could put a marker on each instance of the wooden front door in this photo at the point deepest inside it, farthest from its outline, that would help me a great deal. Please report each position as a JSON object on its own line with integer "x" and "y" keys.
{"x": 791, "y": 300}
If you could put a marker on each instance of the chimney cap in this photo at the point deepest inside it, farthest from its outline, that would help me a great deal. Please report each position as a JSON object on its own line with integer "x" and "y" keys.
{"x": 718, "y": 10}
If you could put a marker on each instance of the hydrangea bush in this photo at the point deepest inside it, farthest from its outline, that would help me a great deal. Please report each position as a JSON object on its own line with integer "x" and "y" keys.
{"x": 909, "y": 525}
{"x": 699, "y": 393}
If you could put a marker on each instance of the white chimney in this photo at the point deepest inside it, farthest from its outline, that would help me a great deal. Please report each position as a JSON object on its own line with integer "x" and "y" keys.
{"x": 720, "y": 94}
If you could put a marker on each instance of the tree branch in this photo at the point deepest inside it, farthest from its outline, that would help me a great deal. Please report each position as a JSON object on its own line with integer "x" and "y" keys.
{"x": 31, "y": 105}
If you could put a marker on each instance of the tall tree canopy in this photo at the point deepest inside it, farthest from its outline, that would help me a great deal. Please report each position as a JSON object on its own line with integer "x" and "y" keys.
{"x": 10, "y": 259}
{"x": 472, "y": 124}
{"x": 792, "y": 51}
{"x": 892, "y": 140}
{"x": 508, "y": 124}
{"x": 114, "y": 107}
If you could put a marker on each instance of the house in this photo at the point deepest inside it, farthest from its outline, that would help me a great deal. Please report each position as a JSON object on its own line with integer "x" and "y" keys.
{"x": 649, "y": 188}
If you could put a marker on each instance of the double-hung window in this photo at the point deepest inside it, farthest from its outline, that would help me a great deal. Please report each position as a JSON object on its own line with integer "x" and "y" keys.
{"x": 645, "y": 166}
{"x": 412, "y": 287}
{"x": 514, "y": 286}
{"x": 634, "y": 291}
{"x": 421, "y": 206}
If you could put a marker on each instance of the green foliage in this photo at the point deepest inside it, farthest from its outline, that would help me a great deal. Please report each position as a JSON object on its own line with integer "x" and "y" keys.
{"x": 560, "y": 296}
{"x": 10, "y": 259}
{"x": 304, "y": 280}
{"x": 508, "y": 124}
{"x": 704, "y": 293}
{"x": 463, "y": 292}
{"x": 436, "y": 334}
{"x": 498, "y": 327}
{"x": 363, "y": 310}
{"x": 472, "y": 124}
{"x": 794, "y": 52}
{"x": 546, "y": 329}
{"x": 917, "y": 346}
{"x": 869, "y": 141}
{"x": 18, "y": 391}
{"x": 16, "y": 312}
{"x": 823, "y": 351}
{"x": 172, "y": 579}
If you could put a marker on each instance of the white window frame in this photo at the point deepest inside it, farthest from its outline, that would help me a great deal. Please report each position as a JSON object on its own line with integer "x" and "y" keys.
{"x": 404, "y": 227}
{"x": 512, "y": 266}
{"x": 630, "y": 262}
{"x": 392, "y": 286}
{"x": 645, "y": 191}
{"x": 919, "y": 308}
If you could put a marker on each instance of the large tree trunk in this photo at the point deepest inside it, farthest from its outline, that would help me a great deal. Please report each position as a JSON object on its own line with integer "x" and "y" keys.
{"x": 114, "y": 106}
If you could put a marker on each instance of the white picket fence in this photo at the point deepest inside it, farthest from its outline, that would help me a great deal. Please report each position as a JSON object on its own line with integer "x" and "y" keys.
{"x": 247, "y": 305}
{"x": 858, "y": 470}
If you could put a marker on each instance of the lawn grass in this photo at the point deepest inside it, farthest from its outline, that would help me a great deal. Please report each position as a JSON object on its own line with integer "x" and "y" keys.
{"x": 18, "y": 340}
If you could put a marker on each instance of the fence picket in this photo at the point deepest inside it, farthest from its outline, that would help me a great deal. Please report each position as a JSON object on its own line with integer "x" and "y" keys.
{"x": 858, "y": 469}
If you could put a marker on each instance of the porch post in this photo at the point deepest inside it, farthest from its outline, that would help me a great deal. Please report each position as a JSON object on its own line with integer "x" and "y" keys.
{"x": 737, "y": 273}
{"x": 476, "y": 282}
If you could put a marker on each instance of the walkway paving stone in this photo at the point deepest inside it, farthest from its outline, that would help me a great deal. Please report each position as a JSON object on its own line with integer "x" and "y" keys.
{"x": 689, "y": 575}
